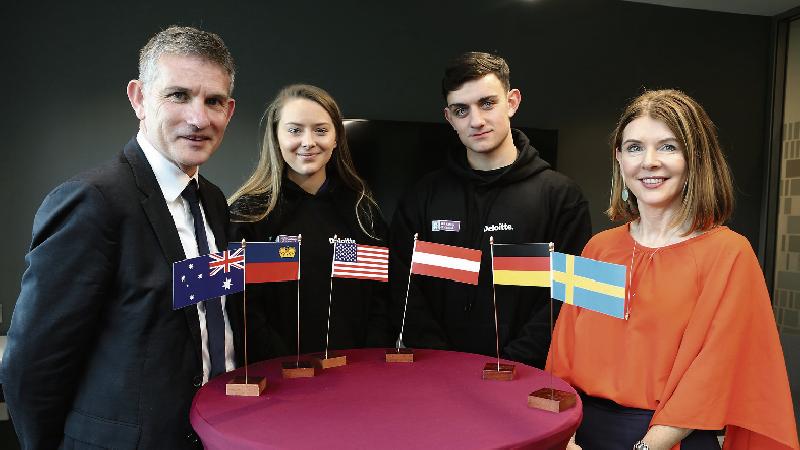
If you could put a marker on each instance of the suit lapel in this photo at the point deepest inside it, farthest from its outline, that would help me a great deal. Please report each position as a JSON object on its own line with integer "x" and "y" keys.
{"x": 155, "y": 207}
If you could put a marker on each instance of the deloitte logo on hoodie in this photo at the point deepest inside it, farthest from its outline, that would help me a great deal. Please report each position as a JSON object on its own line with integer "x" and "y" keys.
{"x": 502, "y": 226}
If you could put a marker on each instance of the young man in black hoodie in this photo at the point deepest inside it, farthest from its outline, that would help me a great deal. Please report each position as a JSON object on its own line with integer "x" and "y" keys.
{"x": 495, "y": 185}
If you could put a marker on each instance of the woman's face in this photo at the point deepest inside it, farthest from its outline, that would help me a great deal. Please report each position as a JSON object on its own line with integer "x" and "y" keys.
{"x": 307, "y": 138}
{"x": 652, "y": 164}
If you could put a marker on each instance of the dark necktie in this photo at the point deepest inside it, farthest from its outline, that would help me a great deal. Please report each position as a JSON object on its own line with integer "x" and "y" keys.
{"x": 215, "y": 324}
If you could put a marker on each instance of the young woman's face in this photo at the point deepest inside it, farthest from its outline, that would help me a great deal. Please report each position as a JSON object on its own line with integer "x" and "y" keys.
{"x": 307, "y": 138}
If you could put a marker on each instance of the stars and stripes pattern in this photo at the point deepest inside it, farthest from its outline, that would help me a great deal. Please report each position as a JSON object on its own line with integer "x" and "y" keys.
{"x": 351, "y": 260}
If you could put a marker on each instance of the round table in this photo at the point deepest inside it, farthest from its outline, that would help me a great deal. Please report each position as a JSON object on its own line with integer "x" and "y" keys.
{"x": 438, "y": 401}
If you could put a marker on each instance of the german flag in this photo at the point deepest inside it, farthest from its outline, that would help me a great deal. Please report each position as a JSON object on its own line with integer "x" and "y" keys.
{"x": 521, "y": 264}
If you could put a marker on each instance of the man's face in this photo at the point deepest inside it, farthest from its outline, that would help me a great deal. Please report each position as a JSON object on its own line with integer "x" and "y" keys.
{"x": 480, "y": 111}
{"x": 185, "y": 109}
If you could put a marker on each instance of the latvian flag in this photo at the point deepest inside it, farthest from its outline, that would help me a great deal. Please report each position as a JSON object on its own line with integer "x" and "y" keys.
{"x": 446, "y": 261}
{"x": 521, "y": 264}
{"x": 351, "y": 260}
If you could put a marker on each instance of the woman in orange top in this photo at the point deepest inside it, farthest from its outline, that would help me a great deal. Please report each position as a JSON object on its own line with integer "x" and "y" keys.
{"x": 699, "y": 350}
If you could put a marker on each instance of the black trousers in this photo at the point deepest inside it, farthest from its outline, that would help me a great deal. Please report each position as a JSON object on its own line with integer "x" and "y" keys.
{"x": 609, "y": 426}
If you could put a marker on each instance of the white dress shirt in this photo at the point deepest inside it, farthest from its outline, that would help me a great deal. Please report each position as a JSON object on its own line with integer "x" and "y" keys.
{"x": 172, "y": 182}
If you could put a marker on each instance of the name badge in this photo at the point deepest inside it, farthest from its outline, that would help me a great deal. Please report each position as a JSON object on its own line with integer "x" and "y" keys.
{"x": 446, "y": 225}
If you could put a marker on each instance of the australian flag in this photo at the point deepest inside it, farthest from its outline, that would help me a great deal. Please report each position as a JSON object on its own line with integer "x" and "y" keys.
{"x": 207, "y": 276}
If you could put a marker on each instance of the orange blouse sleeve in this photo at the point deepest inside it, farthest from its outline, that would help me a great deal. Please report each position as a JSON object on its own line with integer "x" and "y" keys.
{"x": 729, "y": 368}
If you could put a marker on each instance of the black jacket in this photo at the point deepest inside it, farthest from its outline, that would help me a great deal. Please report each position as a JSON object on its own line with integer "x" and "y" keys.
{"x": 524, "y": 202}
{"x": 359, "y": 307}
{"x": 96, "y": 356}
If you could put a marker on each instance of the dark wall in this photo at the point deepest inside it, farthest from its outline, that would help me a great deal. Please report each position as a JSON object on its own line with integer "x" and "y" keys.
{"x": 66, "y": 65}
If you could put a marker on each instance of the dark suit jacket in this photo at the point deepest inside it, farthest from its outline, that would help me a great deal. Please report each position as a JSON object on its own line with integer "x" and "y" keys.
{"x": 95, "y": 353}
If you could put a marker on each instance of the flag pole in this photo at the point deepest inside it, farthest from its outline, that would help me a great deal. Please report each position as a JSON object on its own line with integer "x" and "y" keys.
{"x": 298, "y": 369}
{"x": 299, "y": 245}
{"x": 244, "y": 308}
{"x": 494, "y": 302}
{"x": 551, "y": 248}
{"x": 241, "y": 386}
{"x": 495, "y": 370}
{"x": 549, "y": 398}
{"x": 330, "y": 297}
{"x": 408, "y": 288}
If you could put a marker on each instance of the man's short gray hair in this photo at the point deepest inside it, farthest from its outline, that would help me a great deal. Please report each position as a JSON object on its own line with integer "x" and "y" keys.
{"x": 184, "y": 41}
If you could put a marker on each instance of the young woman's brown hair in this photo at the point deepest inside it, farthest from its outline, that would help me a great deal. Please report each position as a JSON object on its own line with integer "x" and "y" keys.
{"x": 259, "y": 194}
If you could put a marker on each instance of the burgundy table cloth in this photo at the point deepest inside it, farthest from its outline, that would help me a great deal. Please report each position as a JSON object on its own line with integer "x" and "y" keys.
{"x": 438, "y": 401}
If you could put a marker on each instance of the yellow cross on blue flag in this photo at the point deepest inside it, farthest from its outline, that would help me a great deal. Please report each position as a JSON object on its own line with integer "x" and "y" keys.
{"x": 590, "y": 284}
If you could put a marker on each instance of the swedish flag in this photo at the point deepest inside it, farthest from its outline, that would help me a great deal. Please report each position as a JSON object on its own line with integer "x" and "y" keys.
{"x": 590, "y": 284}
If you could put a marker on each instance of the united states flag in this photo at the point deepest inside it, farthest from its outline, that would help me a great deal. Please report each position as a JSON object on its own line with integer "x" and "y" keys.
{"x": 368, "y": 262}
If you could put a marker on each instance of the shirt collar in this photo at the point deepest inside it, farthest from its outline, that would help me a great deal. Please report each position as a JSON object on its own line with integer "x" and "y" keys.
{"x": 171, "y": 179}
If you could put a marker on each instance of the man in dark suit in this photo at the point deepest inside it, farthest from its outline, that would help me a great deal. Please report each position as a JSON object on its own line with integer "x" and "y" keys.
{"x": 96, "y": 356}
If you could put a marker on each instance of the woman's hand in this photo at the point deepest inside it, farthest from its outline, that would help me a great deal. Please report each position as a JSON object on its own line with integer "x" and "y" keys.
{"x": 664, "y": 437}
{"x": 571, "y": 445}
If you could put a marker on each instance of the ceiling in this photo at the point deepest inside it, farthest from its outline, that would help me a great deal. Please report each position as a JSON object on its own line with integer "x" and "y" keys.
{"x": 753, "y": 7}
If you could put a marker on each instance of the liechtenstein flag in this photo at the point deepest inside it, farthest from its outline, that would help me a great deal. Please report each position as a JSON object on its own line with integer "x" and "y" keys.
{"x": 207, "y": 276}
{"x": 269, "y": 262}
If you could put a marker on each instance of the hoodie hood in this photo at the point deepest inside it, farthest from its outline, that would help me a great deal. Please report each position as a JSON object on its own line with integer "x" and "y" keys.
{"x": 528, "y": 163}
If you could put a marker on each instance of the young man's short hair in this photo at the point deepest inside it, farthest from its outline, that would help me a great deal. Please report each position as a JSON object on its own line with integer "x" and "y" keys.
{"x": 471, "y": 66}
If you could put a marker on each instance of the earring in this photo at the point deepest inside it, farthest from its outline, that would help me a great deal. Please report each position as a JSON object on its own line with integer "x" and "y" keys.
{"x": 685, "y": 191}
{"x": 624, "y": 193}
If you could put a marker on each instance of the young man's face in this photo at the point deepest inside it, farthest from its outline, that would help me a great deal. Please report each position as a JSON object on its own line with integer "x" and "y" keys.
{"x": 480, "y": 111}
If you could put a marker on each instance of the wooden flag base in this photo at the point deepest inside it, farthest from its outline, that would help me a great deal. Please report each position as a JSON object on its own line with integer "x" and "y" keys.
{"x": 249, "y": 387}
{"x": 552, "y": 400}
{"x": 506, "y": 372}
{"x": 399, "y": 355}
{"x": 333, "y": 360}
{"x": 297, "y": 369}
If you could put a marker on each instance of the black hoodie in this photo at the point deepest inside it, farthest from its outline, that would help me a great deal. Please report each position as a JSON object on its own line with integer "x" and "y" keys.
{"x": 358, "y": 311}
{"x": 523, "y": 202}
